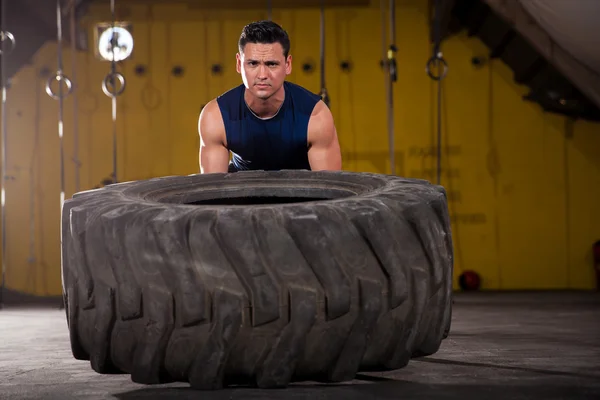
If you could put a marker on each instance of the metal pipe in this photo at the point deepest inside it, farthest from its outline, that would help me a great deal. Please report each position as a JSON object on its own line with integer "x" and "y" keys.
{"x": 391, "y": 80}
{"x": 75, "y": 159}
{"x": 438, "y": 54}
{"x": 4, "y": 36}
{"x": 60, "y": 102}
{"x": 114, "y": 97}
{"x": 60, "y": 77}
{"x": 389, "y": 67}
{"x": 324, "y": 94}
{"x": 437, "y": 60}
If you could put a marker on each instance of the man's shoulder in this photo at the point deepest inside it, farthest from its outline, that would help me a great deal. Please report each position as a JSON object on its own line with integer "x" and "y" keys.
{"x": 210, "y": 114}
{"x": 301, "y": 92}
{"x": 303, "y": 99}
{"x": 210, "y": 123}
{"x": 228, "y": 102}
{"x": 234, "y": 92}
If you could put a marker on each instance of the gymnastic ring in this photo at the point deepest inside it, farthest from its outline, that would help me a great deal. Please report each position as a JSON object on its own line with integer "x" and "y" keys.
{"x": 9, "y": 36}
{"x": 430, "y": 64}
{"x": 110, "y": 77}
{"x": 59, "y": 76}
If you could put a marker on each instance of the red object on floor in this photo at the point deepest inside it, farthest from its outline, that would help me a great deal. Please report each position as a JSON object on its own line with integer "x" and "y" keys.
{"x": 469, "y": 280}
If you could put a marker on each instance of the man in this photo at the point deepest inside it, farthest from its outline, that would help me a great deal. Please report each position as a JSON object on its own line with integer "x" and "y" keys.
{"x": 267, "y": 123}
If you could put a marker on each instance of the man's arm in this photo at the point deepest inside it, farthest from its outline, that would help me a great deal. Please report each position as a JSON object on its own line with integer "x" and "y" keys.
{"x": 213, "y": 156}
{"x": 324, "y": 149}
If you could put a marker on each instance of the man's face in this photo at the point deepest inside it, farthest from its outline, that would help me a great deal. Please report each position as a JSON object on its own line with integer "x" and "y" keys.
{"x": 263, "y": 68}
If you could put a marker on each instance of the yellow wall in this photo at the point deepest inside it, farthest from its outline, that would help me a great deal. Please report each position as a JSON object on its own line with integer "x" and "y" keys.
{"x": 524, "y": 185}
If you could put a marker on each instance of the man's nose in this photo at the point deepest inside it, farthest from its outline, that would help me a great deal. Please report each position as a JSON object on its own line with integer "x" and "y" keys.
{"x": 262, "y": 71}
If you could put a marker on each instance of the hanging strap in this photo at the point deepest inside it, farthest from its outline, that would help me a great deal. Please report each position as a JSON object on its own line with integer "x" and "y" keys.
{"x": 390, "y": 72}
{"x": 60, "y": 77}
{"x": 324, "y": 94}
{"x": 75, "y": 158}
{"x": 438, "y": 60}
{"x": 393, "y": 77}
{"x": 392, "y": 50}
{"x": 437, "y": 56}
{"x": 111, "y": 80}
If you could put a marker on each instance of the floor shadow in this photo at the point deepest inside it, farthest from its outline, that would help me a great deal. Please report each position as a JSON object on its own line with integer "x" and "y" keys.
{"x": 532, "y": 298}
{"x": 14, "y": 298}
{"x": 510, "y": 368}
{"x": 533, "y": 337}
{"x": 380, "y": 388}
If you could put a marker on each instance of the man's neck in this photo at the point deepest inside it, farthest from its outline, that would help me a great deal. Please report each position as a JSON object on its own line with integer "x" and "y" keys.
{"x": 265, "y": 108}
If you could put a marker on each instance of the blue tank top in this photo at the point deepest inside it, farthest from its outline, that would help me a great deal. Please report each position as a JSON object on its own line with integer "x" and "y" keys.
{"x": 271, "y": 144}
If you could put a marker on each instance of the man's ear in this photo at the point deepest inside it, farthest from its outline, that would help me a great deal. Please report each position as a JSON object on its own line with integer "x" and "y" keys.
{"x": 238, "y": 62}
{"x": 288, "y": 65}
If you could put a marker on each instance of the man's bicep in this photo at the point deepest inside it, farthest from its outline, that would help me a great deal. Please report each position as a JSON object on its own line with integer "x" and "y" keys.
{"x": 324, "y": 152}
{"x": 325, "y": 155}
{"x": 214, "y": 156}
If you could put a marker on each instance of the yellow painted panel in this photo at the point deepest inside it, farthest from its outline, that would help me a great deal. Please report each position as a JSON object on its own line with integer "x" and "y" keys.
{"x": 582, "y": 153}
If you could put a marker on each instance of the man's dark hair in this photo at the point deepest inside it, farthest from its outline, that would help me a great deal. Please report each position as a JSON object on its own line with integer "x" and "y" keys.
{"x": 264, "y": 32}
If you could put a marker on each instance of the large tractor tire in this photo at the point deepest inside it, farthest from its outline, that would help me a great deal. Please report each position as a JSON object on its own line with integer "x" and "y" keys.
{"x": 257, "y": 278}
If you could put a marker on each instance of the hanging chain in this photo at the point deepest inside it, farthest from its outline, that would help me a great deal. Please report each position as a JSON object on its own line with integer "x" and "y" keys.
{"x": 60, "y": 77}
{"x": 437, "y": 59}
{"x": 393, "y": 77}
{"x": 73, "y": 38}
{"x": 392, "y": 50}
{"x": 111, "y": 80}
{"x": 437, "y": 56}
{"x": 324, "y": 94}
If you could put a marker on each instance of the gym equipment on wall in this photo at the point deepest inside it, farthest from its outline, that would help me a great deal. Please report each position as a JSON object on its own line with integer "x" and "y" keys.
{"x": 60, "y": 77}
{"x": 389, "y": 54}
{"x": 111, "y": 80}
{"x": 73, "y": 38}
{"x": 437, "y": 60}
{"x": 324, "y": 94}
{"x": 4, "y": 52}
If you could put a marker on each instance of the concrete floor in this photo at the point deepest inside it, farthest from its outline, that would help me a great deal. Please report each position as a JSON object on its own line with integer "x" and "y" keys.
{"x": 502, "y": 346}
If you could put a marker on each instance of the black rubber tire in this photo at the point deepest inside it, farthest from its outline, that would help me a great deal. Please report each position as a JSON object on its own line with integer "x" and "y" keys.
{"x": 163, "y": 286}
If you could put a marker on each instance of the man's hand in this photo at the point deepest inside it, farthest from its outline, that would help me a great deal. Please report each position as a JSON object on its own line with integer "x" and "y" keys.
{"x": 324, "y": 149}
{"x": 214, "y": 156}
